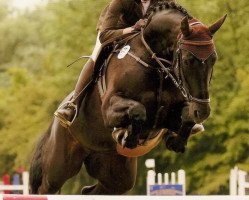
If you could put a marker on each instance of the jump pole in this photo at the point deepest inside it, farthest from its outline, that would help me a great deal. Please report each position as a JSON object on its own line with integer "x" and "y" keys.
{"x": 81, "y": 197}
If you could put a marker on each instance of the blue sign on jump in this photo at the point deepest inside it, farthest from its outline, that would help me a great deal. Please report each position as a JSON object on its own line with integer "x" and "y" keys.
{"x": 170, "y": 189}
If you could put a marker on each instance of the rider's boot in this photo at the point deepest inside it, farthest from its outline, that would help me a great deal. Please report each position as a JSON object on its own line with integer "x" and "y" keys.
{"x": 68, "y": 111}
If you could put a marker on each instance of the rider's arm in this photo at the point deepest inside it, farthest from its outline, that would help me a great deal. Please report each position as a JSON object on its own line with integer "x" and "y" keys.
{"x": 111, "y": 26}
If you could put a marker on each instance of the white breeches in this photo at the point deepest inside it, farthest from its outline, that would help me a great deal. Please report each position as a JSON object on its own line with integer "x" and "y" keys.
{"x": 96, "y": 48}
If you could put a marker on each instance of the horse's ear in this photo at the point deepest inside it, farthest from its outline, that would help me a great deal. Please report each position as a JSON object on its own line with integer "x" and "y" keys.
{"x": 185, "y": 26}
{"x": 216, "y": 26}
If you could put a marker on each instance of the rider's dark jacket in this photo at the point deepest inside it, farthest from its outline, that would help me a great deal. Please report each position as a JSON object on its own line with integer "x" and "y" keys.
{"x": 119, "y": 15}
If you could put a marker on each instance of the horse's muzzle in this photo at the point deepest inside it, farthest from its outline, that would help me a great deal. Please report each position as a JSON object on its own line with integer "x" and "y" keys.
{"x": 199, "y": 112}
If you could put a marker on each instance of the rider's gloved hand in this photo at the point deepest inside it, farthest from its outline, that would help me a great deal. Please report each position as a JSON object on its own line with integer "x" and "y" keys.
{"x": 139, "y": 24}
{"x": 128, "y": 30}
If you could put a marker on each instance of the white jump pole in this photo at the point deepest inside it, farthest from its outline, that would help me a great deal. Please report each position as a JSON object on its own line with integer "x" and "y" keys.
{"x": 238, "y": 183}
{"x": 173, "y": 178}
{"x": 25, "y": 181}
{"x": 150, "y": 180}
{"x": 151, "y": 175}
{"x": 242, "y": 184}
{"x": 233, "y": 181}
{"x": 182, "y": 180}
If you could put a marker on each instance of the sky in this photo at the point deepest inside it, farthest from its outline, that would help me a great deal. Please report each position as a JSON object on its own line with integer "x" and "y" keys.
{"x": 23, "y": 4}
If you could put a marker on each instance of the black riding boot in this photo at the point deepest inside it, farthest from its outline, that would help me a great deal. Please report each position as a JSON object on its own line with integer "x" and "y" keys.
{"x": 67, "y": 112}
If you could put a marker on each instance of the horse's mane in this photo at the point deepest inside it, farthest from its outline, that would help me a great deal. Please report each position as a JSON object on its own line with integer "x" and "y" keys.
{"x": 165, "y": 5}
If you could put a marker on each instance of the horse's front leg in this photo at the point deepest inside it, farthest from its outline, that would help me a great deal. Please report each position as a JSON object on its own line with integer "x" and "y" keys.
{"x": 178, "y": 142}
{"x": 124, "y": 113}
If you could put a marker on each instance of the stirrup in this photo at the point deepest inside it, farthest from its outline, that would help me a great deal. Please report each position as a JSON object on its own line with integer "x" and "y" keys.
{"x": 63, "y": 121}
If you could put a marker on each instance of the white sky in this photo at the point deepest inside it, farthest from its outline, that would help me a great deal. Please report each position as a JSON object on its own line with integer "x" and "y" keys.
{"x": 22, "y": 4}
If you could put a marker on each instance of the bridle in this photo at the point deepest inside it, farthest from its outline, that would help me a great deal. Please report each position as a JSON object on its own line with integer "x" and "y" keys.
{"x": 179, "y": 71}
{"x": 176, "y": 65}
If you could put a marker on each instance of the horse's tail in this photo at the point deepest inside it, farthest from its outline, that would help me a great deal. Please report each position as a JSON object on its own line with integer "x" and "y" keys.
{"x": 35, "y": 177}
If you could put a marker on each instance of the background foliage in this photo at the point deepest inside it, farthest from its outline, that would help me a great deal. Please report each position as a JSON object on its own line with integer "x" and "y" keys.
{"x": 35, "y": 47}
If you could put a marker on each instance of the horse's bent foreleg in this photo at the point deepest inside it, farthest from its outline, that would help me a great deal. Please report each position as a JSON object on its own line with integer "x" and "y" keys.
{"x": 62, "y": 158}
{"x": 122, "y": 112}
{"x": 177, "y": 142}
{"x": 116, "y": 174}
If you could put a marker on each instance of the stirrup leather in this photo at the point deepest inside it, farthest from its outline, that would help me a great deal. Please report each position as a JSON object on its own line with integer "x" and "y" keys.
{"x": 64, "y": 122}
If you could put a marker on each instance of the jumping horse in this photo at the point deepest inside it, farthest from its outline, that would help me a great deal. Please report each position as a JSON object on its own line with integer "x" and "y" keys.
{"x": 154, "y": 85}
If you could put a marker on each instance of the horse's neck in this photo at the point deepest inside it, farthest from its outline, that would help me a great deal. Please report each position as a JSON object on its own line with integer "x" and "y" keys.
{"x": 161, "y": 34}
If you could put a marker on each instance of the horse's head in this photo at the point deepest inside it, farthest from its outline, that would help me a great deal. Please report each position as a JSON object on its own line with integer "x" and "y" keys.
{"x": 194, "y": 54}
{"x": 196, "y": 57}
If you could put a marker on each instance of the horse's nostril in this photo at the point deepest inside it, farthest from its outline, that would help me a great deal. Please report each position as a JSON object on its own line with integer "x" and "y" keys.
{"x": 196, "y": 113}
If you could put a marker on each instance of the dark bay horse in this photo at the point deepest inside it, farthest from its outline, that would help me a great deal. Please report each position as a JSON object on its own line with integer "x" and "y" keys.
{"x": 158, "y": 81}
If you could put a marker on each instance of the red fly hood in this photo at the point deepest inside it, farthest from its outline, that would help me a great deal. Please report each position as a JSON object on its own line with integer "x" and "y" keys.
{"x": 197, "y": 39}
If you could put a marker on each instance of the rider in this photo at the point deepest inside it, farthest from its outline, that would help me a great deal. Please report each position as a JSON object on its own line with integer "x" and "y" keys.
{"x": 119, "y": 18}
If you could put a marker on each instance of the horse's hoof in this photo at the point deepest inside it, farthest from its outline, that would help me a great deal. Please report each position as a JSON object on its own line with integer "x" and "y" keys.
{"x": 131, "y": 141}
{"x": 124, "y": 137}
{"x": 197, "y": 128}
{"x": 129, "y": 144}
{"x": 87, "y": 189}
{"x": 118, "y": 134}
{"x": 175, "y": 143}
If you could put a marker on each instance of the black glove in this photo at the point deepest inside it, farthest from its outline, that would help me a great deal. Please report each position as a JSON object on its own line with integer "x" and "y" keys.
{"x": 139, "y": 24}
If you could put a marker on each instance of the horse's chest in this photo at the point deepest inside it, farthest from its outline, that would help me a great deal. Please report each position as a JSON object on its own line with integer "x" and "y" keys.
{"x": 148, "y": 98}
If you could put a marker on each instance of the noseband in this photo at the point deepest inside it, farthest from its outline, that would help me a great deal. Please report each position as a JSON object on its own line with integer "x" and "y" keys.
{"x": 176, "y": 65}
